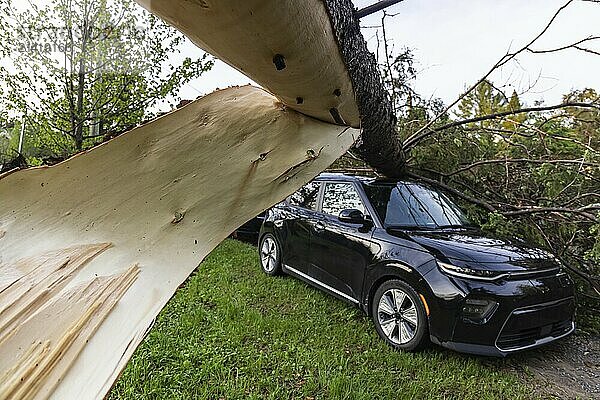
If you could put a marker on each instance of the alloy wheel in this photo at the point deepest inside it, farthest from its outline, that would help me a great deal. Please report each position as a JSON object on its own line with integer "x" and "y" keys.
{"x": 397, "y": 315}
{"x": 268, "y": 254}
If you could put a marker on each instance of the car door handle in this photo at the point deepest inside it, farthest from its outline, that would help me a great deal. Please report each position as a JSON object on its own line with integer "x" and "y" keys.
{"x": 319, "y": 226}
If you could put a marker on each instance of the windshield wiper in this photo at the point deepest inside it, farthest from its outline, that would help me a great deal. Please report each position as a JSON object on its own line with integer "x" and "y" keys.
{"x": 458, "y": 226}
{"x": 412, "y": 227}
{"x": 431, "y": 228}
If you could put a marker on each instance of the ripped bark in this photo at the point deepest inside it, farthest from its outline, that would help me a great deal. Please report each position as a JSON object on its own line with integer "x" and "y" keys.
{"x": 379, "y": 146}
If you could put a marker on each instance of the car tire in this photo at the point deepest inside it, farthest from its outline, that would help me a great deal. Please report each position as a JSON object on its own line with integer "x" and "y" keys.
{"x": 269, "y": 253}
{"x": 399, "y": 316}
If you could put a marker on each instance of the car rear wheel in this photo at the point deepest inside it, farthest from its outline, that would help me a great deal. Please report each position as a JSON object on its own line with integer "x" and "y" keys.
{"x": 399, "y": 316}
{"x": 270, "y": 255}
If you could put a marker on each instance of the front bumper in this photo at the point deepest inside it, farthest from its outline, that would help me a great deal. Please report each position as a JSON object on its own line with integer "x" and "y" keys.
{"x": 530, "y": 313}
{"x": 525, "y": 328}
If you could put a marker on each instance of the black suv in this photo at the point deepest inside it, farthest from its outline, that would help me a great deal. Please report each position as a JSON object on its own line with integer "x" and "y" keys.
{"x": 407, "y": 256}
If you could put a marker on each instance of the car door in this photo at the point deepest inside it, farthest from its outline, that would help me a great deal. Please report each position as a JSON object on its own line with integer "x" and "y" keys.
{"x": 341, "y": 251}
{"x": 300, "y": 222}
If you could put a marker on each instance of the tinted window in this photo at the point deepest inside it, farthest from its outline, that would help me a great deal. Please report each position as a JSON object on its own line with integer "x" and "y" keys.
{"x": 414, "y": 205}
{"x": 306, "y": 196}
{"x": 340, "y": 196}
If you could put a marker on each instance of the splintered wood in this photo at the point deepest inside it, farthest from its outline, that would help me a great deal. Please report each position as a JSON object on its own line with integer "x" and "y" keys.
{"x": 44, "y": 324}
{"x": 164, "y": 195}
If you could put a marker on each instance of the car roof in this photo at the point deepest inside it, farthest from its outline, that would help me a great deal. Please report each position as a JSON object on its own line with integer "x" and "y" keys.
{"x": 328, "y": 176}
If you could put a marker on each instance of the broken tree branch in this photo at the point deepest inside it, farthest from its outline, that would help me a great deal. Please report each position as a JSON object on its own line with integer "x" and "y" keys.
{"x": 424, "y": 134}
{"x": 518, "y": 160}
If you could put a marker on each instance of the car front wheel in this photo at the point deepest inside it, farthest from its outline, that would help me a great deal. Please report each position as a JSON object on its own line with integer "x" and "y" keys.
{"x": 399, "y": 316}
{"x": 270, "y": 255}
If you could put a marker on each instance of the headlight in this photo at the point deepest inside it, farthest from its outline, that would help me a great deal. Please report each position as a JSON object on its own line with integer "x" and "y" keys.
{"x": 470, "y": 273}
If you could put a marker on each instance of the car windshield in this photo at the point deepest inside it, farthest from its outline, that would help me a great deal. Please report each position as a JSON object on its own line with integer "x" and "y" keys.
{"x": 411, "y": 205}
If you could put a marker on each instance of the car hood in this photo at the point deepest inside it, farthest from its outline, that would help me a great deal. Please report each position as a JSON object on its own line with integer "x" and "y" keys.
{"x": 473, "y": 247}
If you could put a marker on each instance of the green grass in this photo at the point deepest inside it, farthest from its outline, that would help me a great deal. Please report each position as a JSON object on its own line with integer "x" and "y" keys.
{"x": 234, "y": 333}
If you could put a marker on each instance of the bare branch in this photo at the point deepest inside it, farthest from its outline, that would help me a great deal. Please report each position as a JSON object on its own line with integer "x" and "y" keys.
{"x": 499, "y": 115}
{"x": 581, "y": 197}
{"x": 585, "y": 49}
{"x": 455, "y": 192}
{"x": 545, "y": 210}
{"x": 565, "y": 47}
{"x": 426, "y": 131}
{"x": 591, "y": 280}
{"x": 518, "y": 160}
{"x": 387, "y": 58}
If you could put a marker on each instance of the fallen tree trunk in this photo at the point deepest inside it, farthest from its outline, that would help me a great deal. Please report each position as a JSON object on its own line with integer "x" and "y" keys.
{"x": 335, "y": 80}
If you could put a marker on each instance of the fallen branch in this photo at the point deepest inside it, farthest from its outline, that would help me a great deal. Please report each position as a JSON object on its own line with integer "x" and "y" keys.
{"x": 413, "y": 140}
{"x": 536, "y": 210}
{"x": 518, "y": 160}
{"x": 455, "y": 192}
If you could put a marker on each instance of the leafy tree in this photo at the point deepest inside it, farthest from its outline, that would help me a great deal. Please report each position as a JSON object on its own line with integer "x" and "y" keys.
{"x": 82, "y": 69}
{"x": 5, "y": 130}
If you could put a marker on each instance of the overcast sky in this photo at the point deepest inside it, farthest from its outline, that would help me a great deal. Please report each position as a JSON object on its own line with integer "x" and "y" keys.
{"x": 456, "y": 42}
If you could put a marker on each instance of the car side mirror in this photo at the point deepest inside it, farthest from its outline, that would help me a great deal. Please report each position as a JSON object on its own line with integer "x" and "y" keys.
{"x": 352, "y": 216}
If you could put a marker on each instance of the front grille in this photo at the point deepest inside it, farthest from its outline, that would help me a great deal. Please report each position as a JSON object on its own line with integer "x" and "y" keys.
{"x": 533, "y": 274}
{"x": 535, "y": 268}
{"x": 527, "y": 326}
{"x": 527, "y": 337}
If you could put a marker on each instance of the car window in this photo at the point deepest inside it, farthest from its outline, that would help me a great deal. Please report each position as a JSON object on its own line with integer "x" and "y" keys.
{"x": 340, "y": 196}
{"x": 414, "y": 205}
{"x": 307, "y": 196}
